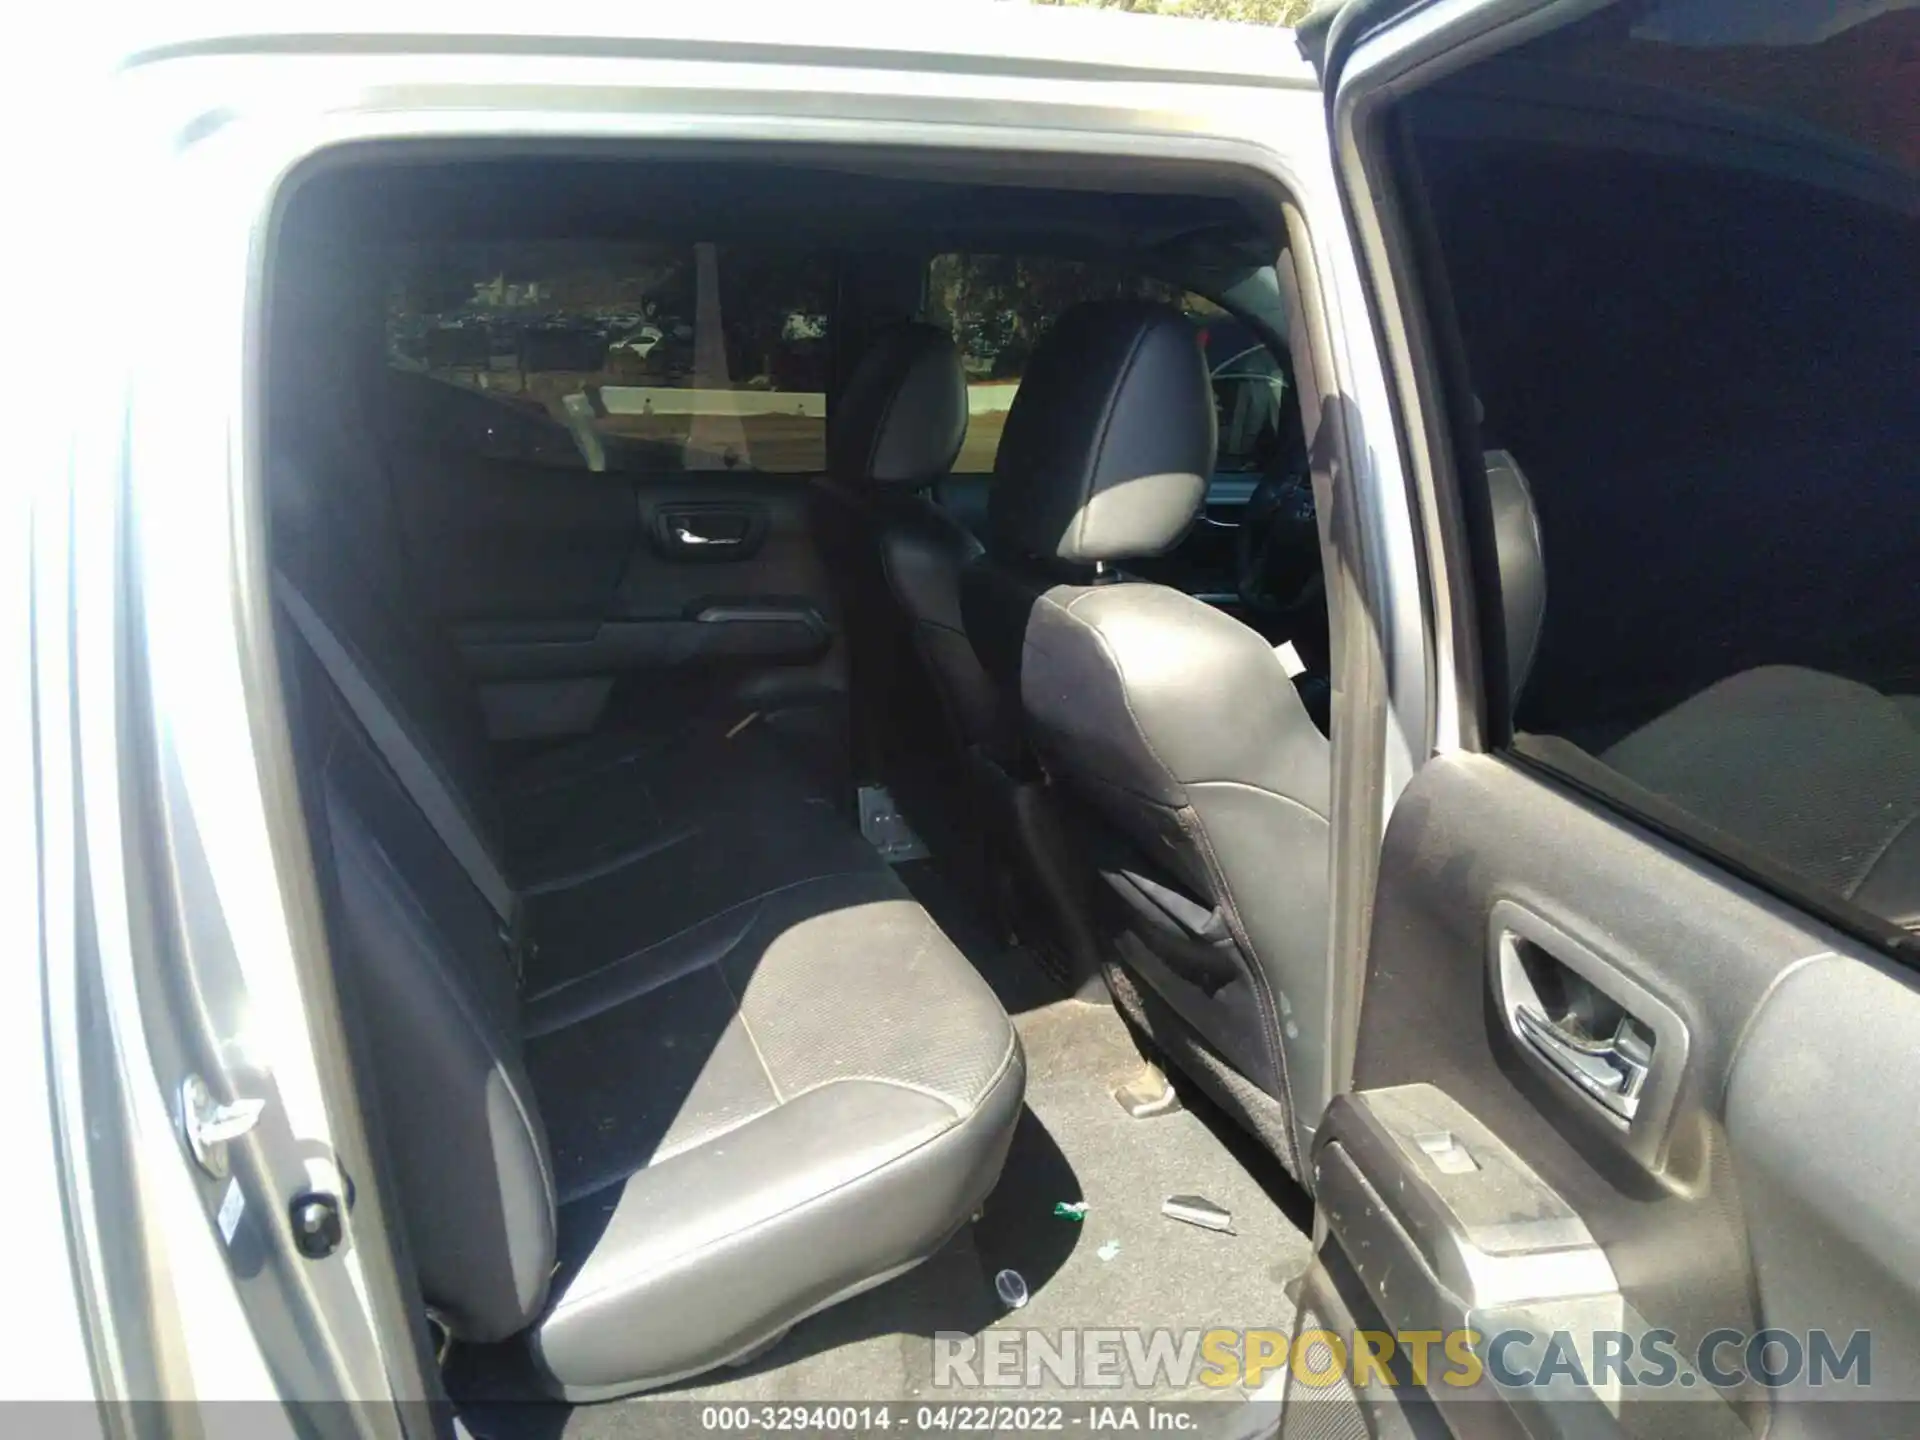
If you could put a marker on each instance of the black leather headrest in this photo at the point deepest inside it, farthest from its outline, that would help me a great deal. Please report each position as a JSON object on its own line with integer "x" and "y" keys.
{"x": 1109, "y": 445}
{"x": 903, "y": 414}
{"x": 1522, "y": 562}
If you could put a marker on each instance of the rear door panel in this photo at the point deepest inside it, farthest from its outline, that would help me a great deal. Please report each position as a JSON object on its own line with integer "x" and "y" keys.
{"x": 493, "y": 540}
{"x": 1775, "y": 1191}
{"x": 1472, "y": 832}
{"x": 600, "y": 456}
{"x": 1828, "y": 1167}
{"x": 559, "y": 583}
{"x": 1757, "y": 1178}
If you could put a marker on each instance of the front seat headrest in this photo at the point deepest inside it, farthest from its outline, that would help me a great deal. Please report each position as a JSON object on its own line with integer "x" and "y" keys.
{"x": 1522, "y": 562}
{"x": 1109, "y": 445}
{"x": 903, "y": 413}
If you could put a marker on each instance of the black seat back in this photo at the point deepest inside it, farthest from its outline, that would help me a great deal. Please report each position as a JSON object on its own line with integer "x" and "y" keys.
{"x": 921, "y": 699}
{"x": 1200, "y": 779}
{"x": 422, "y": 917}
{"x": 431, "y": 973}
{"x": 426, "y": 924}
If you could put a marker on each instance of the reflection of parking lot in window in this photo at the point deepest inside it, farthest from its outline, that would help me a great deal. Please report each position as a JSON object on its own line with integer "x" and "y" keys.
{"x": 651, "y": 357}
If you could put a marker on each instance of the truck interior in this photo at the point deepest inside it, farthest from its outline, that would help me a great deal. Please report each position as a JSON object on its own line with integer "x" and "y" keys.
{"x": 757, "y": 936}
{"x": 812, "y": 681}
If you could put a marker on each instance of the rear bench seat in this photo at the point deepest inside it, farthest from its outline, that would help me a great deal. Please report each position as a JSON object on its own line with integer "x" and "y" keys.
{"x": 667, "y": 1058}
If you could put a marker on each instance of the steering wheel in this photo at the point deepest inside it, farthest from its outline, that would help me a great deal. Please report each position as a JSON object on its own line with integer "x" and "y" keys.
{"x": 1277, "y": 552}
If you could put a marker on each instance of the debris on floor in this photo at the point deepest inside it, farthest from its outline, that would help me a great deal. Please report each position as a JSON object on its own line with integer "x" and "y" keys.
{"x": 1070, "y": 1209}
{"x": 1148, "y": 1093}
{"x": 1197, "y": 1210}
{"x": 1011, "y": 1287}
{"x": 1108, "y": 1250}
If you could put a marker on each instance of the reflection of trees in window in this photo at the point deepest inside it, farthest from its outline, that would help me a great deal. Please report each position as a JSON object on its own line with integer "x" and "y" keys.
{"x": 998, "y": 306}
{"x": 455, "y": 279}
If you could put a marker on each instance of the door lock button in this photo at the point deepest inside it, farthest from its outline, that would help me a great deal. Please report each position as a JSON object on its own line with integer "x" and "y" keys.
{"x": 1449, "y": 1156}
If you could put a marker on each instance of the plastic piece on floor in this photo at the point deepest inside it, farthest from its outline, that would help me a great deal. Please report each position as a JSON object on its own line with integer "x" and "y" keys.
{"x": 1070, "y": 1209}
{"x": 1011, "y": 1287}
{"x": 1197, "y": 1210}
{"x": 1108, "y": 1250}
{"x": 886, "y": 829}
{"x": 1147, "y": 1094}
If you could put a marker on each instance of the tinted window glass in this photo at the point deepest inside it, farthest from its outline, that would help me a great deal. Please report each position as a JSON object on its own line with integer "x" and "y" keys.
{"x": 620, "y": 357}
{"x": 1680, "y": 243}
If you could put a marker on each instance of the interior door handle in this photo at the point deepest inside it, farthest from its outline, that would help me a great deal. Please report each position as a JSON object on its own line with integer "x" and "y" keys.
{"x": 1584, "y": 1022}
{"x": 705, "y": 530}
{"x": 1612, "y": 1070}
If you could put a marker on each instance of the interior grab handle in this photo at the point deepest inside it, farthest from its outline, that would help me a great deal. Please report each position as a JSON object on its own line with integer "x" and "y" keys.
{"x": 1612, "y": 1070}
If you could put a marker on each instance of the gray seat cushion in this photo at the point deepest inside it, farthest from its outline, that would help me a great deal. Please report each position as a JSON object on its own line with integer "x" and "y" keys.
{"x": 696, "y": 861}
{"x": 755, "y": 1118}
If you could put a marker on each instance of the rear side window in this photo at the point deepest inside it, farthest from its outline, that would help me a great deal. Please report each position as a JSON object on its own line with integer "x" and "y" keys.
{"x": 1680, "y": 245}
{"x": 648, "y": 358}
{"x": 999, "y": 306}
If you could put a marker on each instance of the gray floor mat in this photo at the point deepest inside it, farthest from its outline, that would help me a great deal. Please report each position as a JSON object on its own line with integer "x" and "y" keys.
{"x": 1074, "y": 1143}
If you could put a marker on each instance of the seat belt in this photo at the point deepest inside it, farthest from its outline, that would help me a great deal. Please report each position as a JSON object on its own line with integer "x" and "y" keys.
{"x": 410, "y": 766}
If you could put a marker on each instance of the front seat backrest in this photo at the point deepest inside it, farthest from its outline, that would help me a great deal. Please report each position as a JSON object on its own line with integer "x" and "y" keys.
{"x": 1200, "y": 778}
{"x": 1109, "y": 445}
{"x": 894, "y": 433}
{"x": 903, "y": 415}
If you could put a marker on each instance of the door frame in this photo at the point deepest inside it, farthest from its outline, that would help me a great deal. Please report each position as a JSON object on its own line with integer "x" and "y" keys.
{"x": 1372, "y": 62}
{"x": 236, "y": 120}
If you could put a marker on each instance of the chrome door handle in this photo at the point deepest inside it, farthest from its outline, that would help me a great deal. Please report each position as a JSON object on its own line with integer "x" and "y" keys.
{"x": 1587, "y": 1024}
{"x": 1613, "y": 1071}
{"x": 689, "y": 537}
